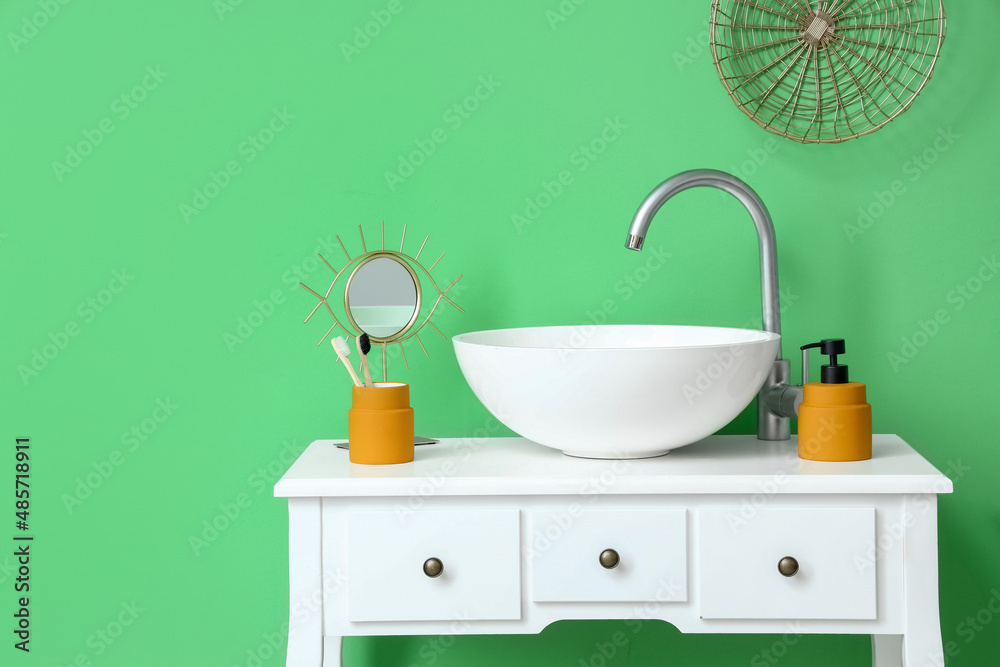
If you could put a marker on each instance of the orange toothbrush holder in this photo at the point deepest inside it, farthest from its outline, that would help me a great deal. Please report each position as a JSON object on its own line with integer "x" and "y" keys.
{"x": 380, "y": 424}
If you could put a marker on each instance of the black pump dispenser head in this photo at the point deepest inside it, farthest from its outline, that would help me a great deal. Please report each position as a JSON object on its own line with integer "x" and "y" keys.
{"x": 832, "y": 373}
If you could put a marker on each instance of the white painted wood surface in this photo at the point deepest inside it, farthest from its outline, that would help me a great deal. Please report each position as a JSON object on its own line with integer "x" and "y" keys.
{"x": 504, "y": 466}
{"x": 479, "y": 550}
{"x": 305, "y": 582}
{"x": 739, "y": 559}
{"x": 366, "y": 573}
{"x": 564, "y": 555}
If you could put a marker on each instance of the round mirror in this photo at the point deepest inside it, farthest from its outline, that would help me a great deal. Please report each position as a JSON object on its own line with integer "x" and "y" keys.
{"x": 382, "y": 297}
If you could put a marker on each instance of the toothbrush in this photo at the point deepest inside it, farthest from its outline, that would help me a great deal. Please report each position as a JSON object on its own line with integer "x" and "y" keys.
{"x": 342, "y": 350}
{"x": 364, "y": 347}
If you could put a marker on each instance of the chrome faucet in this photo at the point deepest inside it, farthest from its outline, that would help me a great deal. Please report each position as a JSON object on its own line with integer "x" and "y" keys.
{"x": 777, "y": 400}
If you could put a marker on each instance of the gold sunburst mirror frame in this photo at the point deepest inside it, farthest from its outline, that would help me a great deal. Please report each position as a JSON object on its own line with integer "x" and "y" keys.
{"x": 384, "y": 335}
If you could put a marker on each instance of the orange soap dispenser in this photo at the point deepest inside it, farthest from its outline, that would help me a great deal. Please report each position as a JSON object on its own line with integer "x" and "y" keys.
{"x": 835, "y": 420}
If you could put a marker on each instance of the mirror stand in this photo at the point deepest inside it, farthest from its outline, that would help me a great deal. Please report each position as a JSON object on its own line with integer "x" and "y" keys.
{"x": 383, "y": 295}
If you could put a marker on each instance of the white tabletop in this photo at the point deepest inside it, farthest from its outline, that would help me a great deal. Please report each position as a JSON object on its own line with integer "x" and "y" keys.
{"x": 729, "y": 464}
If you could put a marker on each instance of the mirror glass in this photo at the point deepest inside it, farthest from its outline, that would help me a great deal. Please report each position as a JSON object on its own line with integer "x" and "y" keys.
{"x": 382, "y": 297}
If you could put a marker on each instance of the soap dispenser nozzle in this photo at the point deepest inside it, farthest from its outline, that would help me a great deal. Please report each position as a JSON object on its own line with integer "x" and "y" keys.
{"x": 785, "y": 399}
{"x": 832, "y": 373}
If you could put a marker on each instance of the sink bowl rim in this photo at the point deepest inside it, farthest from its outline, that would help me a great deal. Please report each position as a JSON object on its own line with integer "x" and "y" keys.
{"x": 760, "y": 336}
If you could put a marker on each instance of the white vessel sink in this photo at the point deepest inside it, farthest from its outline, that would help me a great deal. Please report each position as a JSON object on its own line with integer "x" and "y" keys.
{"x": 616, "y": 392}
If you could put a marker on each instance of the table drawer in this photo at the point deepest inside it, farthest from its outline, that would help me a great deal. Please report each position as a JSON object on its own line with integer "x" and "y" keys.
{"x": 479, "y": 552}
{"x": 738, "y": 564}
{"x": 650, "y": 547}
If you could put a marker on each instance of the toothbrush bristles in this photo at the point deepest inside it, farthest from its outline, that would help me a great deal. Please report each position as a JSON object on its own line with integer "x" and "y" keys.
{"x": 342, "y": 350}
{"x": 364, "y": 347}
{"x": 340, "y": 345}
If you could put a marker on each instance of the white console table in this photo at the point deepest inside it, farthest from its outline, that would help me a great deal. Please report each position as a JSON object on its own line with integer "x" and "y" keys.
{"x": 731, "y": 534}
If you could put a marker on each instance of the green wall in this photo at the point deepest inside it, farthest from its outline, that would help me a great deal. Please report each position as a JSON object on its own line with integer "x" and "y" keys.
{"x": 102, "y": 246}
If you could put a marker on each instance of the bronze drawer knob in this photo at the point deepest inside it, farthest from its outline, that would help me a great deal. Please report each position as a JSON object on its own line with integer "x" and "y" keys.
{"x": 609, "y": 559}
{"x": 788, "y": 566}
{"x": 433, "y": 567}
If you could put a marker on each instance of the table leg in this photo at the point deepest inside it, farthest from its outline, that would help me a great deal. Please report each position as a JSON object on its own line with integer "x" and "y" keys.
{"x": 922, "y": 645}
{"x": 333, "y": 651}
{"x": 887, "y": 650}
{"x": 305, "y": 584}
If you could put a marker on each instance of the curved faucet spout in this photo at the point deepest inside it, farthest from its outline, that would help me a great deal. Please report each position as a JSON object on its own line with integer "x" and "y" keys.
{"x": 761, "y": 219}
{"x": 776, "y": 402}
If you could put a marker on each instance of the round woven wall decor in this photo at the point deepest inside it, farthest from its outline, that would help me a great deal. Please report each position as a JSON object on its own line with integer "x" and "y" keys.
{"x": 825, "y": 71}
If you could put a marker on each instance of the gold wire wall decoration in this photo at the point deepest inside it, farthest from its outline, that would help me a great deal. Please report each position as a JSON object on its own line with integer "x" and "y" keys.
{"x": 411, "y": 329}
{"x": 825, "y": 71}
